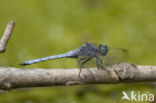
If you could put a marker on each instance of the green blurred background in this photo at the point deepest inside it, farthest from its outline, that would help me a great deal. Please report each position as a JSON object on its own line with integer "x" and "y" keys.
{"x": 48, "y": 27}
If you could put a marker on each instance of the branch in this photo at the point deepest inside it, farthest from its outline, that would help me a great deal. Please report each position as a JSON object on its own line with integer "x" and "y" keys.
{"x": 6, "y": 36}
{"x": 12, "y": 78}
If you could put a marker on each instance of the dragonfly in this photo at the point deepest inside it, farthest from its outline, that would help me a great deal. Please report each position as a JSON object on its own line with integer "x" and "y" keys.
{"x": 89, "y": 55}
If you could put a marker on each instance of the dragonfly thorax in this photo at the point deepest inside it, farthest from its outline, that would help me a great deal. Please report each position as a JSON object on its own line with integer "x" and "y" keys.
{"x": 88, "y": 50}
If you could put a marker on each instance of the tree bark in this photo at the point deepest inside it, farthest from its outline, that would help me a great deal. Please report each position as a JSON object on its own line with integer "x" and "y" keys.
{"x": 12, "y": 78}
{"x": 6, "y": 36}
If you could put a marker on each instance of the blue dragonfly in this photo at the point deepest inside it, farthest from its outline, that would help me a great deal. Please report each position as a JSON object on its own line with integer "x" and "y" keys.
{"x": 89, "y": 55}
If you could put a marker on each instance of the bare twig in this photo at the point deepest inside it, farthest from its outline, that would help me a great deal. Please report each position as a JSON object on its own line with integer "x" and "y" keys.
{"x": 6, "y": 36}
{"x": 12, "y": 78}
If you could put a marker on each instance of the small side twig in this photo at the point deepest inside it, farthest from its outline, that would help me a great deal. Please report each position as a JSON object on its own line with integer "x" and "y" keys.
{"x": 6, "y": 36}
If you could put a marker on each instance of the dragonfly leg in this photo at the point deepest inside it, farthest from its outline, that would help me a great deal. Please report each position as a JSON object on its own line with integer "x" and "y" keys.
{"x": 79, "y": 61}
{"x": 100, "y": 60}
{"x": 88, "y": 59}
{"x": 80, "y": 64}
{"x": 98, "y": 64}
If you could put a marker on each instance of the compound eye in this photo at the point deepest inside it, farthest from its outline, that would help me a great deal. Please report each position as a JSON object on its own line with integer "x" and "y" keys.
{"x": 103, "y": 49}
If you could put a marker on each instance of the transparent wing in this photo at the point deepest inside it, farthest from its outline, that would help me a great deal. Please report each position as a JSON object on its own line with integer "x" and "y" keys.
{"x": 114, "y": 56}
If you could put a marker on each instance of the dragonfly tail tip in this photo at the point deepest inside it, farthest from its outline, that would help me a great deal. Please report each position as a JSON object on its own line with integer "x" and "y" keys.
{"x": 23, "y": 64}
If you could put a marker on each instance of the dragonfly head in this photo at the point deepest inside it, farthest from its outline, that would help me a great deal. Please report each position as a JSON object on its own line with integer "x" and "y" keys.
{"x": 103, "y": 49}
